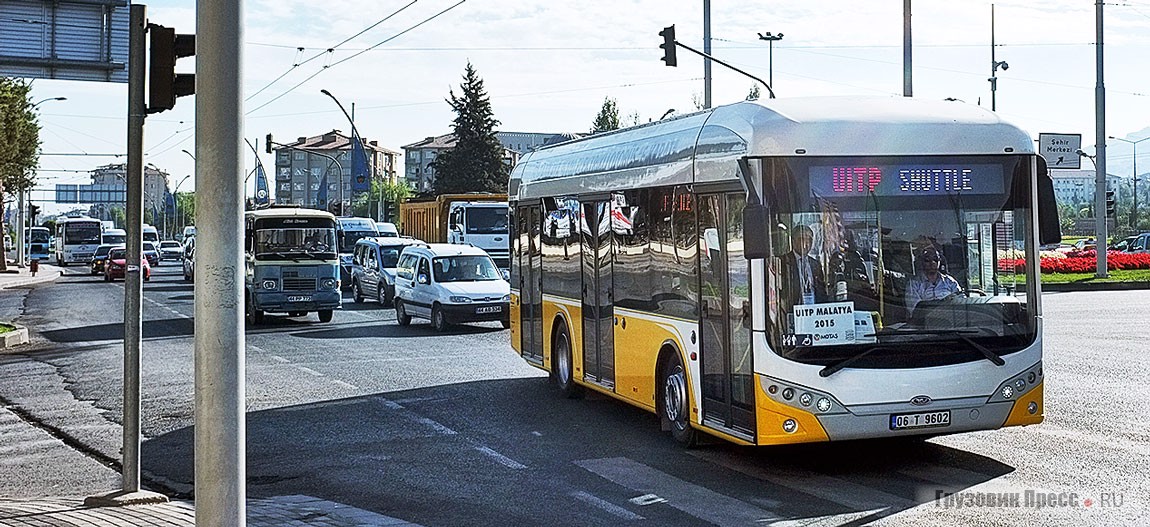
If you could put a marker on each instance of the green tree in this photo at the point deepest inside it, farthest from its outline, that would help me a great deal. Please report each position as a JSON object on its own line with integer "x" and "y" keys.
{"x": 475, "y": 164}
{"x": 367, "y": 204}
{"x": 608, "y": 118}
{"x": 19, "y": 140}
{"x": 755, "y": 92}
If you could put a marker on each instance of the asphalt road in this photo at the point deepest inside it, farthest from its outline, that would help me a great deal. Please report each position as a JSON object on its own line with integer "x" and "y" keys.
{"x": 445, "y": 429}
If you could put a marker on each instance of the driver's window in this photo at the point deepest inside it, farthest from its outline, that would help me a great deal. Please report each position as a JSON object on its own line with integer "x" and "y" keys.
{"x": 424, "y": 269}
{"x": 371, "y": 261}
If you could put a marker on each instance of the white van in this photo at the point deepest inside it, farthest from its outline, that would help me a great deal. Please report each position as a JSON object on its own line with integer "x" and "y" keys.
{"x": 449, "y": 284}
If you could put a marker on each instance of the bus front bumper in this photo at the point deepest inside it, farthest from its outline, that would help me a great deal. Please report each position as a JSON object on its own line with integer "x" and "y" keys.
{"x": 286, "y": 302}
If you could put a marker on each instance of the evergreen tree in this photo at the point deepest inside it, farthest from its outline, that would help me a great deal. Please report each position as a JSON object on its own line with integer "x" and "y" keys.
{"x": 755, "y": 92}
{"x": 475, "y": 164}
{"x": 608, "y": 118}
{"x": 19, "y": 140}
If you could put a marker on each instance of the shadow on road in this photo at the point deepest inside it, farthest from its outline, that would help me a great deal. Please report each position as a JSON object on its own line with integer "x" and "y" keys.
{"x": 511, "y": 452}
{"x": 394, "y": 330}
{"x": 159, "y": 328}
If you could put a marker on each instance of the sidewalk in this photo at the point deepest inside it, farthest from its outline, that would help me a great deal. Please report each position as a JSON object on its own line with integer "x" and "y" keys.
{"x": 17, "y": 277}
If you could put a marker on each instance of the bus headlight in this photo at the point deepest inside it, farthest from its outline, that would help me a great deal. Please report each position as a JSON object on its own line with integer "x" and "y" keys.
{"x": 269, "y": 285}
{"x": 1007, "y": 392}
{"x": 824, "y": 404}
{"x": 329, "y": 283}
{"x": 454, "y": 299}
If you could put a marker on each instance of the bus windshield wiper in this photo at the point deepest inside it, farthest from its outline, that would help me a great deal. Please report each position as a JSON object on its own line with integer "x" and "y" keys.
{"x": 960, "y": 334}
{"x": 831, "y": 369}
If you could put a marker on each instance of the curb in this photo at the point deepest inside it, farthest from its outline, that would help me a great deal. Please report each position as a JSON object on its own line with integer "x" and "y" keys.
{"x": 15, "y": 337}
{"x": 45, "y": 275}
{"x": 1104, "y": 286}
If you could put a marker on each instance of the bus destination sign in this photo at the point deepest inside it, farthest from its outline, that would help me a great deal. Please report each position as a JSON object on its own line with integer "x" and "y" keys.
{"x": 905, "y": 180}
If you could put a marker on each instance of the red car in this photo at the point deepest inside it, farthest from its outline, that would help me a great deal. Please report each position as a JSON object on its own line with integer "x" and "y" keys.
{"x": 115, "y": 266}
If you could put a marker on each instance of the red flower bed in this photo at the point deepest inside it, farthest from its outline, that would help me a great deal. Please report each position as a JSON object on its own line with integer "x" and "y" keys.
{"x": 1081, "y": 262}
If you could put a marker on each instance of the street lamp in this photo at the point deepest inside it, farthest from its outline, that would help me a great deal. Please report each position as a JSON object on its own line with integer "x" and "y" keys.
{"x": 994, "y": 64}
{"x": 355, "y": 137}
{"x": 1134, "y": 209}
{"x": 770, "y": 55}
{"x": 48, "y": 99}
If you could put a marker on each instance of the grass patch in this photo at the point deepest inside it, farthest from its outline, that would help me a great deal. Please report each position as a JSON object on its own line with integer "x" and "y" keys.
{"x": 1116, "y": 276}
{"x": 5, "y": 328}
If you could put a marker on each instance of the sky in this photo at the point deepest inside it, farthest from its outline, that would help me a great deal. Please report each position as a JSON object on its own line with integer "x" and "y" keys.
{"x": 548, "y": 67}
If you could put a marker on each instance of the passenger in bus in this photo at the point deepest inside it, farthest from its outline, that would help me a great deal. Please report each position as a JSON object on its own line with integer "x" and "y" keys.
{"x": 931, "y": 283}
{"x": 802, "y": 275}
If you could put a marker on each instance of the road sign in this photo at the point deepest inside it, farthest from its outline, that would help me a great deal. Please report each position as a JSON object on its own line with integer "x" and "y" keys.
{"x": 1060, "y": 150}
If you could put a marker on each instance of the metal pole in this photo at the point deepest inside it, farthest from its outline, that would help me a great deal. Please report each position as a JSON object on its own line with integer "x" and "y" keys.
{"x": 20, "y": 237}
{"x": 1134, "y": 208}
{"x": 993, "y": 65}
{"x": 1100, "y": 163}
{"x": 219, "y": 353}
{"x": 707, "y": 50}
{"x": 907, "y": 83}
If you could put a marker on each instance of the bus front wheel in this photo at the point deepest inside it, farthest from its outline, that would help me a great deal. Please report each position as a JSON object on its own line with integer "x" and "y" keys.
{"x": 255, "y": 316}
{"x": 562, "y": 366}
{"x": 676, "y": 402}
{"x": 325, "y": 315}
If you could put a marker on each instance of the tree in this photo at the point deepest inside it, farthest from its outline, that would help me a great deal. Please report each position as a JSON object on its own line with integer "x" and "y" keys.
{"x": 367, "y": 204}
{"x": 475, "y": 164}
{"x": 755, "y": 92}
{"x": 19, "y": 139}
{"x": 608, "y": 118}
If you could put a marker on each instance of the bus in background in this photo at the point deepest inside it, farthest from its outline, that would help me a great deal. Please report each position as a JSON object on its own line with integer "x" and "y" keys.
{"x": 350, "y": 231}
{"x": 37, "y": 245}
{"x": 292, "y": 264}
{"x": 77, "y": 239}
{"x": 114, "y": 237}
{"x": 151, "y": 234}
{"x": 766, "y": 286}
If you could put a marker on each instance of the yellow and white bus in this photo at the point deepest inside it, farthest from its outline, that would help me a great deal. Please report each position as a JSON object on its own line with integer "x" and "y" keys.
{"x": 655, "y": 264}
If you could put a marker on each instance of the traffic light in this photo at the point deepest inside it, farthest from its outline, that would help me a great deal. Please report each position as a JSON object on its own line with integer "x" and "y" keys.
{"x": 668, "y": 45}
{"x": 33, "y": 210}
{"x": 164, "y": 84}
{"x": 1109, "y": 202}
{"x": 268, "y": 143}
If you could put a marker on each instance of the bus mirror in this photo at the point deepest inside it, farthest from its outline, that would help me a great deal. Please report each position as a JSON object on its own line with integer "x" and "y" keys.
{"x": 1049, "y": 228}
{"x": 423, "y": 279}
{"x": 755, "y": 232}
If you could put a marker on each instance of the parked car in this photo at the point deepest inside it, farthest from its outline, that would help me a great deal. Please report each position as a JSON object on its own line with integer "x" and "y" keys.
{"x": 1085, "y": 244}
{"x": 189, "y": 258}
{"x": 1138, "y": 244}
{"x": 116, "y": 262}
{"x": 171, "y": 250}
{"x": 151, "y": 252}
{"x": 373, "y": 268}
{"x": 449, "y": 284}
{"x": 101, "y": 257}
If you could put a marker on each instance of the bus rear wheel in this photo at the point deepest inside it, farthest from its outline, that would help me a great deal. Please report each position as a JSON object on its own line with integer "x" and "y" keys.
{"x": 562, "y": 369}
{"x": 676, "y": 405}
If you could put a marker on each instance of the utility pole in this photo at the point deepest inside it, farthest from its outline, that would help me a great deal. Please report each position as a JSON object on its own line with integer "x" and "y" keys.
{"x": 1100, "y": 151}
{"x": 707, "y": 51}
{"x": 994, "y": 65}
{"x": 907, "y": 83}
{"x": 770, "y": 38}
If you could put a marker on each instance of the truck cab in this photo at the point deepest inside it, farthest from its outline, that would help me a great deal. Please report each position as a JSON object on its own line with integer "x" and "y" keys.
{"x": 483, "y": 225}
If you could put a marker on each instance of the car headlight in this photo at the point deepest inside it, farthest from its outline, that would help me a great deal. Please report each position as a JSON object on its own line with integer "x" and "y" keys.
{"x": 459, "y": 299}
{"x": 268, "y": 284}
{"x": 329, "y": 283}
{"x": 507, "y": 298}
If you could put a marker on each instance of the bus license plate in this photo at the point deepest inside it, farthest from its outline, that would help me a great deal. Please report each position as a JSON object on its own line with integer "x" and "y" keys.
{"x": 300, "y": 298}
{"x": 488, "y": 309}
{"x": 923, "y": 420}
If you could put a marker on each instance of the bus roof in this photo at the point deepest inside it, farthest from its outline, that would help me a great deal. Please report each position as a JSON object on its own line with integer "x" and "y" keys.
{"x": 702, "y": 146}
{"x": 287, "y": 212}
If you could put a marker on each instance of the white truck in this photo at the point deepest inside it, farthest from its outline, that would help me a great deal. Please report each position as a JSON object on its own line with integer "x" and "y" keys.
{"x": 474, "y": 219}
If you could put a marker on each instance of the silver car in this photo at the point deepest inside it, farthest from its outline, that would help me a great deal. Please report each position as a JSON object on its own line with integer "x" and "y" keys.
{"x": 373, "y": 268}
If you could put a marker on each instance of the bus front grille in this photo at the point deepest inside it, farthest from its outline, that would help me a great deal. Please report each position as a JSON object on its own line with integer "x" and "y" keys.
{"x": 299, "y": 284}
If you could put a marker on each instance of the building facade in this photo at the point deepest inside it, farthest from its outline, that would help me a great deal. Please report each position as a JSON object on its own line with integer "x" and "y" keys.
{"x": 109, "y": 190}
{"x": 1074, "y": 187}
{"x": 419, "y": 172}
{"x": 300, "y": 168}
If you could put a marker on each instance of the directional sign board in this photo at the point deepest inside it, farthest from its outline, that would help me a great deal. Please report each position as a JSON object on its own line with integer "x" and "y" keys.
{"x": 84, "y": 40}
{"x": 1060, "y": 150}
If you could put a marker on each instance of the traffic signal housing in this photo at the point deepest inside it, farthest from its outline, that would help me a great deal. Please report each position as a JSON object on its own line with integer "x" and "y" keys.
{"x": 33, "y": 210}
{"x": 268, "y": 143}
{"x": 164, "y": 84}
{"x": 668, "y": 45}
{"x": 1110, "y": 203}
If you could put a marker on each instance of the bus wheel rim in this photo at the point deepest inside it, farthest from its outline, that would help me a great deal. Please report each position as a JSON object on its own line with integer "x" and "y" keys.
{"x": 675, "y": 395}
{"x": 564, "y": 360}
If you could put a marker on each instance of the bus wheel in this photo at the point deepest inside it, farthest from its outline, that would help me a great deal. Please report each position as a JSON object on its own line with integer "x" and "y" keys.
{"x": 358, "y": 296}
{"x": 438, "y": 319}
{"x": 325, "y": 315}
{"x": 401, "y": 315}
{"x": 561, "y": 365}
{"x": 676, "y": 402}
{"x": 255, "y": 316}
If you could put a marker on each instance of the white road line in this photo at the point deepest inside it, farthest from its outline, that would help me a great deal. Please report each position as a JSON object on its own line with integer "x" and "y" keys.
{"x": 695, "y": 500}
{"x": 830, "y": 520}
{"x": 835, "y": 490}
{"x": 415, "y": 417}
{"x": 605, "y": 505}
{"x": 309, "y": 371}
{"x": 500, "y": 458}
{"x": 345, "y": 385}
{"x": 277, "y": 358}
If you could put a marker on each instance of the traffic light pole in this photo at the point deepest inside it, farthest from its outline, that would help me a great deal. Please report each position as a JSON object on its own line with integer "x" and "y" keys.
{"x": 20, "y": 226}
{"x": 707, "y": 56}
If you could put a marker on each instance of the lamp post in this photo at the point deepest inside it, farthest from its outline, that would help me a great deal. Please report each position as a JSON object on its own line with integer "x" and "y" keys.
{"x": 994, "y": 65}
{"x": 770, "y": 55}
{"x": 48, "y": 99}
{"x": 1134, "y": 209}
{"x": 176, "y": 204}
{"x": 355, "y": 137}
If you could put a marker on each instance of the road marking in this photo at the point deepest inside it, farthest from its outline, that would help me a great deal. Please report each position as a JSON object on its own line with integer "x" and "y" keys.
{"x": 345, "y": 385}
{"x": 695, "y": 500}
{"x": 647, "y": 499}
{"x": 309, "y": 371}
{"x": 830, "y": 520}
{"x": 835, "y": 490}
{"x": 605, "y": 505}
{"x": 277, "y": 358}
{"x": 500, "y": 458}
{"x": 415, "y": 417}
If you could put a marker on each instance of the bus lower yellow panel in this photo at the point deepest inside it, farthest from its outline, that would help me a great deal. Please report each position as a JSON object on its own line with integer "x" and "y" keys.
{"x": 637, "y": 344}
{"x": 572, "y": 315}
{"x": 1020, "y": 415}
{"x": 771, "y": 415}
{"x": 515, "y": 340}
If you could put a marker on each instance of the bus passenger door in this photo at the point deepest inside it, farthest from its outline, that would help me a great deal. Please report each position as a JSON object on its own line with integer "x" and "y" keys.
{"x": 724, "y": 317}
{"x": 598, "y": 323}
{"x": 531, "y": 284}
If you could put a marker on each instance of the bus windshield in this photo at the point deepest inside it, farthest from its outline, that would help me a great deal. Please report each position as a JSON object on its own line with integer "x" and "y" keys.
{"x": 81, "y": 233}
{"x": 294, "y": 243}
{"x": 874, "y": 257}
{"x": 38, "y": 236}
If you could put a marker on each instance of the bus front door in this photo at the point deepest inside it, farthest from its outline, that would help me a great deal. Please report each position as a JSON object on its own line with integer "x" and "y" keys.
{"x": 531, "y": 285}
{"x": 598, "y": 313}
{"x": 724, "y": 317}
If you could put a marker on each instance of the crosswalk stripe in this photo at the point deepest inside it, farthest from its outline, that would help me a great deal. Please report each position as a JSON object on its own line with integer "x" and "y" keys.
{"x": 605, "y": 505}
{"x": 692, "y": 499}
